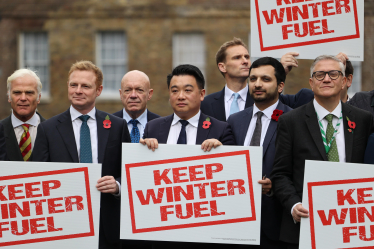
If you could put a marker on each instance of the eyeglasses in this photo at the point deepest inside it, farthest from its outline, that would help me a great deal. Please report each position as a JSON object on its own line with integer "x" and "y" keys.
{"x": 333, "y": 74}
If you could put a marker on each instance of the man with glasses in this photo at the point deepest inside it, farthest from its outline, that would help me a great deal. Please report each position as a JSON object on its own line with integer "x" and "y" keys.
{"x": 302, "y": 134}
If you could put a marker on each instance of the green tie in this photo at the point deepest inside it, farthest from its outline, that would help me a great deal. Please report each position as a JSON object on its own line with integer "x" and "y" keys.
{"x": 333, "y": 154}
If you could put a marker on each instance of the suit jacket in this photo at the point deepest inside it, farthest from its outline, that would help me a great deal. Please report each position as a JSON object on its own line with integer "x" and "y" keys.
{"x": 299, "y": 138}
{"x": 12, "y": 146}
{"x": 150, "y": 115}
{"x": 369, "y": 155}
{"x": 214, "y": 104}
{"x": 56, "y": 143}
{"x": 159, "y": 129}
{"x": 364, "y": 100}
{"x": 271, "y": 208}
{"x": 3, "y": 156}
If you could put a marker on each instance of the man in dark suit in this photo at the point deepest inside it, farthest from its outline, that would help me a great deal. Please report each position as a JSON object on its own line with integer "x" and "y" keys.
{"x": 256, "y": 126}
{"x": 24, "y": 93}
{"x": 364, "y": 101}
{"x": 135, "y": 92}
{"x": 233, "y": 61}
{"x": 301, "y": 136}
{"x": 3, "y": 156}
{"x": 84, "y": 134}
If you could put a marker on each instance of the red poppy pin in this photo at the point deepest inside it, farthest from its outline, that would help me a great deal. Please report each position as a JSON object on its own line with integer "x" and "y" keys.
{"x": 351, "y": 125}
{"x": 107, "y": 123}
{"x": 276, "y": 114}
{"x": 206, "y": 123}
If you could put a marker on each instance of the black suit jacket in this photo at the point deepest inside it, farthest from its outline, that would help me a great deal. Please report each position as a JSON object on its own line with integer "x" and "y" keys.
{"x": 12, "y": 146}
{"x": 159, "y": 129}
{"x": 3, "y": 156}
{"x": 299, "y": 138}
{"x": 271, "y": 209}
{"x": 150, "y": 115}
{"x": 56, "y": 143}
{"x": 364, "y": 101}
{"x": 214, "y": 104}
{"x": 369, "y": 153}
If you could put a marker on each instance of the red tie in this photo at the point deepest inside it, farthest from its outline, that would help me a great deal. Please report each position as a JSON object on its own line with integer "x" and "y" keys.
{"x": 25, "y": 143}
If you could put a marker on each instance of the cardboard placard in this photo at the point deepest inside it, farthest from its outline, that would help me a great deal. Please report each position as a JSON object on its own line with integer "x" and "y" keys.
{"x": 309, "y": 27}
{"x": 180, "y": 193}
{"x": 340, "y": 200}
{"x": 49, "y": 205}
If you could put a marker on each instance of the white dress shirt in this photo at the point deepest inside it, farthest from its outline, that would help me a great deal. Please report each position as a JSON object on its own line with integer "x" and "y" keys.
{"x": 34, "y": 121}
{"x": 229, "y": 98}
{"x": 265, "y": 121}
{"x": 191, "y": 129}
{"x": 142, "y": 121}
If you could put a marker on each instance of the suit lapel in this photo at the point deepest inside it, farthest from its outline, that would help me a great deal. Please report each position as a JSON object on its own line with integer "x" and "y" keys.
{"x": 312, "y": 123}
{"x": 164, "y": 129}
{"x": 202, "y": 134}
{"x": 65, "y": 128}
{"x": 218, "y": 106}
{"x": 102, "y": 135}
{"x": 271, "y": 129}
{"x": 244, "y": 125}
{"x": 347, "y": 135}
{"x": 249, "y": 102}
{"x": 14, "y": 153}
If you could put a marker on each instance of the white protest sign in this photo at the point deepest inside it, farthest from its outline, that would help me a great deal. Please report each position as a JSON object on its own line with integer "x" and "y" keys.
{"x": 49, "y": 205}
{"x": 340, "y": 200}
{"x": 181, "y": 193}
{"x": 309, "y": 27}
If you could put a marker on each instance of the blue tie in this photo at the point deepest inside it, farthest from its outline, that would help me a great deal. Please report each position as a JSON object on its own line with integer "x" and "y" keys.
{"x": 234, "y": 105}
{"x": 85, "y": 141}
{"x": 182, "y": 139}
{"x": 135, "y": 134}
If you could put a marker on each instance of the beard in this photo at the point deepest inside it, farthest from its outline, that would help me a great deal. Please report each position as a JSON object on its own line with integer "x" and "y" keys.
{"x": 269, "y": 96}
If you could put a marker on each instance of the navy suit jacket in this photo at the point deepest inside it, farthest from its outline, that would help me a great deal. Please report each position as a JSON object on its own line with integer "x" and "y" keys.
{"x": 55, "y": 142}
{"x": 150, "y": 115}
{"x": 159, "y": 129}
{"x": 3, "y": 156}
{"x": 12, "y": 145}
{"x": 369, "y": 153}
{"x": 214, "y": 104}
{"x": 271, "y": 209}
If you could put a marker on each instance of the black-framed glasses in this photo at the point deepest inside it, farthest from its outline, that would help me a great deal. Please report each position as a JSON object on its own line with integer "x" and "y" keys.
{"x": 333, "y": 74}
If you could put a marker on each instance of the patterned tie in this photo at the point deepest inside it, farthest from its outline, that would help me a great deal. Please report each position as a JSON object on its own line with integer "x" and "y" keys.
{"x": 333, "y": 154}
{"x": 256, "y": 138}
{"x": 234, "y": 105}
{"x": 135, "y": 134}
{"x": 85, "y": 141}
{"x": 182, "y": 139}
{"x": 25, "y": 143}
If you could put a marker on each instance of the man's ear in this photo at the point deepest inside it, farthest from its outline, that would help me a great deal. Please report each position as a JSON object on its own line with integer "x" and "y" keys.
{"x": 222, "y": 67}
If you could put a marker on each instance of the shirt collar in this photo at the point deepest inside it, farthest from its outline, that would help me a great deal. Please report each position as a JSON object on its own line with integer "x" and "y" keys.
{"x": 142, "y": 118}
{"x": 322, "y": 112}
{"x": 243, "y": 93}
{"x": 34, "y": 120}
{"x": 76, "y": 114}
{"x": 268, "y": 111}
{"x": 194, "y": 121}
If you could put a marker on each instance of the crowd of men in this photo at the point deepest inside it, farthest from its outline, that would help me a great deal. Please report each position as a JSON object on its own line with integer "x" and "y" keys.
{"x": 249, "y": 111}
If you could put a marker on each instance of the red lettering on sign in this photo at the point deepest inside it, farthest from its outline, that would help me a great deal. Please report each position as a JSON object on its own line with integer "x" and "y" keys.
{"x": 345, "y": 197}
{"x": 209, "y": 169}
{"x": 347, "y": 234}
{"x": 333, "y": 215}
{"x": 178, "y": 190}
{"x": 29, "y": 190}
{"x": 150, "y": 193}
{"x": 52, "y": 205}
{"x": 25, "y": 227}
{"x": 177, "y": 175}
{"x": 74, "y": 200}
{"x": 48, "y": 185}
{"x": 24, "y": 211}
{"x": 193, "y": 173}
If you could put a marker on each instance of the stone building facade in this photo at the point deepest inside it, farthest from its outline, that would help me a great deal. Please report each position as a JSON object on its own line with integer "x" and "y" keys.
{"x": 72, "y": 29}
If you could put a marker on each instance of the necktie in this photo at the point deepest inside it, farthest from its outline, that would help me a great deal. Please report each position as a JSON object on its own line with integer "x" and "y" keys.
{"x": 182, "y": 139}
{"x": 135, "y": 134}
{"x": 25, "y": 143}
{"x": 234, "y": 105}
{"x": 333, "y": 154}
{"x": 85, "y": 141}
{"x": 256, "y": 138}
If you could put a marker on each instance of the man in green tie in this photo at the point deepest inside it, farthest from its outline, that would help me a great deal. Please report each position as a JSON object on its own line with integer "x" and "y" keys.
{"x": 325, "y": 129}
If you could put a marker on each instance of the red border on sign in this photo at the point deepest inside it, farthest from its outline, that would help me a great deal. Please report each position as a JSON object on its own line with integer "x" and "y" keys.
{"x": 185, "y": 159}
{"x": 310, "y": 199}
{"x": 89, "y": 205}
{"x": 299, "y": 44}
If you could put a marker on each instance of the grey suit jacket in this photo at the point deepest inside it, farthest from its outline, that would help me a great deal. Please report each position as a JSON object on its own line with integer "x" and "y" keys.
{"x": 12, "y": 148}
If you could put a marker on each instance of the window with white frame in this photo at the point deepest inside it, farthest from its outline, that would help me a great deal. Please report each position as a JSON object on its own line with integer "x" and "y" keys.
{"x": 356, "y": 81}
{"x": 111, "y": 57}
{"x": 34, "y": 54}
{"x": 189, "y": 48}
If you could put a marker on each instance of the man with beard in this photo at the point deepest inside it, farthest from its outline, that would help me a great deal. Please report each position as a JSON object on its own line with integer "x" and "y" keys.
{"x": 257, "y": 126}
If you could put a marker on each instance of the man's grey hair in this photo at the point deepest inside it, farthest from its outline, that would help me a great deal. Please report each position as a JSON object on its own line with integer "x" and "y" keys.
{"x": 327, "y": 57}
{"x": 20, "y": 73}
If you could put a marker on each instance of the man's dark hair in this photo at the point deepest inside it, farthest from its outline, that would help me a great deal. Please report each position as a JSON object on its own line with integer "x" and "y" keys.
{"x": 280, "y": 73}
{"x": 187, "y": 69}
{"x": 348, "y": 68}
